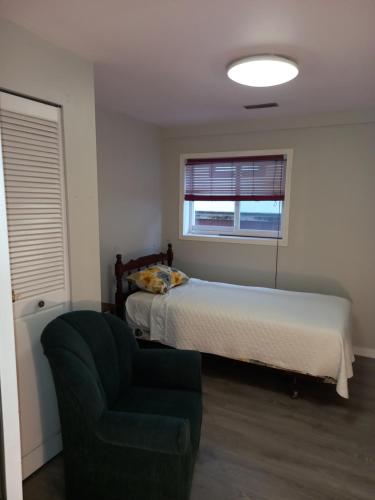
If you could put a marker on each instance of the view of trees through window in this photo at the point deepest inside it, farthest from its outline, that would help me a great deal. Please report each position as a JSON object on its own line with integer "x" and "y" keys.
{"x": 251, "y": 215}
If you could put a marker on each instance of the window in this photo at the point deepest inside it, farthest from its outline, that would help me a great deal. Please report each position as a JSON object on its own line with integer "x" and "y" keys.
{"x": 236, "y": 197}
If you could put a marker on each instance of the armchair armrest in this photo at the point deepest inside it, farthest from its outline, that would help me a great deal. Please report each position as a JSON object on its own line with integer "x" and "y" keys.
{"x": 143, "y": 431}
{"x": 168, "y": 369}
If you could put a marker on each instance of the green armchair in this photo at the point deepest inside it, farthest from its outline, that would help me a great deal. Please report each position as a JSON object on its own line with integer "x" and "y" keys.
{"x": 130, "y": 417}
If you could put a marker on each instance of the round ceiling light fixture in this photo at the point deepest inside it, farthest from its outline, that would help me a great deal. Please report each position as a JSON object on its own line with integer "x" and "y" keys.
{"x": 262, "y": 70}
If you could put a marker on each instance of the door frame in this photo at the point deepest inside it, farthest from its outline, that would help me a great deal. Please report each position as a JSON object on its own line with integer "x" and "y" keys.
{"x": 8, "y": 372}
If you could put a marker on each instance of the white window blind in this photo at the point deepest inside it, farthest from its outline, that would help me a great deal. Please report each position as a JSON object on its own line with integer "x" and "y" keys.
{"x": 31, "y": 148}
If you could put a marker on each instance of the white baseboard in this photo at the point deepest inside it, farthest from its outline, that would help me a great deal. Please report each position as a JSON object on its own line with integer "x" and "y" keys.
{"x": 366, "y": 352}
{"x": 38, "y": 457}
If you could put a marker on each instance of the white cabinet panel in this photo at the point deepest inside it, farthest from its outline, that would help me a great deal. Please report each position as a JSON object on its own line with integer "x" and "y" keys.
{"x": 32, "y": 151}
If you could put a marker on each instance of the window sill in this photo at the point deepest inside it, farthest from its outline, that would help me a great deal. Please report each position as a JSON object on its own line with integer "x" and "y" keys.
{"x": 213, "y": 238}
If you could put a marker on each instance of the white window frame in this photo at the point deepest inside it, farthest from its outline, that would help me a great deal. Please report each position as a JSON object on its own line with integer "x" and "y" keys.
{"x": 257, "y": 237}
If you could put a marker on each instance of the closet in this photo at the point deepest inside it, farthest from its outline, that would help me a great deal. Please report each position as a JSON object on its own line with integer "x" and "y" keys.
{"x": 33, "y": 166}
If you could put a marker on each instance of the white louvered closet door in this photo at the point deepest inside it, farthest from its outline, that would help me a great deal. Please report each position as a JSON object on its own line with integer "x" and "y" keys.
{"x": 31, "y": 143}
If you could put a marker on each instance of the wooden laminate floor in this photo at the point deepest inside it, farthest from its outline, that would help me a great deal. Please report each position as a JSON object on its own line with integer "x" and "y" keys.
{"x": 258, "y": 444}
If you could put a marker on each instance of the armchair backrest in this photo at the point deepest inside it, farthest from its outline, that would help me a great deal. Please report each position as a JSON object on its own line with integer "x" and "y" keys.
{"x": 90, "y": 355}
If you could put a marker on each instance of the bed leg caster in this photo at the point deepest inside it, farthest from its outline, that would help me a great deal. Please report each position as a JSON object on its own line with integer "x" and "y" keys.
{"x": 294, "y": 388}
{"x": 294, "y": 394}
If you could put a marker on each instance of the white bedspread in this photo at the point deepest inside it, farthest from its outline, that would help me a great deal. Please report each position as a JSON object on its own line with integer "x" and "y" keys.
{"x": 138, "y": 310}
{"x": 305, "y": 332}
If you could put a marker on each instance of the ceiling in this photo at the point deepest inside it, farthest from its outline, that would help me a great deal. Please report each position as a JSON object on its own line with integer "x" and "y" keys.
{"x": 164, "y": 61}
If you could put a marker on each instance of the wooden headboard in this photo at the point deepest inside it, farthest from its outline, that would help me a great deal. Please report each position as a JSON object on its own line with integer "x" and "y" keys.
{"x": 132, "y": 266}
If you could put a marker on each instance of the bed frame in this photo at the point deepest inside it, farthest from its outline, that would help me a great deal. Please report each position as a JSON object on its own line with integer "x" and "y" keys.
{"x": 130, "y": 267}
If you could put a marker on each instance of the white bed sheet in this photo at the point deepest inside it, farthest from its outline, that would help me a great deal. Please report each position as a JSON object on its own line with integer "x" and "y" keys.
{"x": 305, "y": 332}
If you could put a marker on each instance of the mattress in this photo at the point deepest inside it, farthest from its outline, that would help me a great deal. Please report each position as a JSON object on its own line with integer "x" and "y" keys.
{"x": 304, "y": 332}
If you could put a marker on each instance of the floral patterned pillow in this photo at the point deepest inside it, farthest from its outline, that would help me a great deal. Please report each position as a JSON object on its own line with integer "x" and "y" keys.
{"x": 158, "y": 279}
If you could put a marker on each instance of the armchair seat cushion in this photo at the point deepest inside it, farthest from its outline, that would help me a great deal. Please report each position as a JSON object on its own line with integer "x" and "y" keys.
{"x": 165, "y": 402}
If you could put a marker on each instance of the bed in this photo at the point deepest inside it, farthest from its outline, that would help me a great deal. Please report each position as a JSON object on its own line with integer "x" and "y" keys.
{"x": 304, "y": 333}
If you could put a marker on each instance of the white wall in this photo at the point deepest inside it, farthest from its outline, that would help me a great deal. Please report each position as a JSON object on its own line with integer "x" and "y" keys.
{"x": 35, "y": 68}
{"x": 129, "y": 191}
{"x": 331, "y": 245}
{"x": 9, "y": 409}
